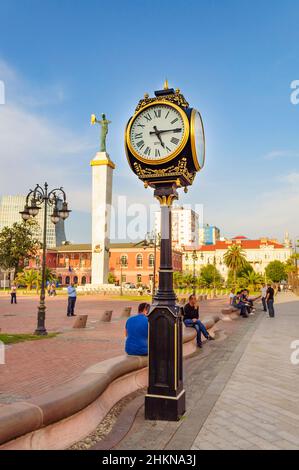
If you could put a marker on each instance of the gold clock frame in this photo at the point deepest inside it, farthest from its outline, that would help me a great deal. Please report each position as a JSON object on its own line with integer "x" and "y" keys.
{"x": 193, "y": 142}
{"x": 179, "y": 148}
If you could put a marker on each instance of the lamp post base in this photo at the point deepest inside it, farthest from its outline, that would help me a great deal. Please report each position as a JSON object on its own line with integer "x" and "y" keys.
{"x": 41, "y": 314}
{"x": 167, "y": 408}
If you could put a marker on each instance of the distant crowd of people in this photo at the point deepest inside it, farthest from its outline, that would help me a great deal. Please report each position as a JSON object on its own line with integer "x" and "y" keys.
{"x": 241, "y": 301}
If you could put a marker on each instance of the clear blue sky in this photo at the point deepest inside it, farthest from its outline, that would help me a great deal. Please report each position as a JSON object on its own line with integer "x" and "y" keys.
{"x": 233, "y": 60}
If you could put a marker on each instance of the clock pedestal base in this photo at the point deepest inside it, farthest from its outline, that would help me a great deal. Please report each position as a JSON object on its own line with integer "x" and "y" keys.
{"x": 165, "y": 408}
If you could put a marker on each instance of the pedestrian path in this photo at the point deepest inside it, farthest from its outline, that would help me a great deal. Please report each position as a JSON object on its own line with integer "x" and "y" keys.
{"x": 242, "y": 392}
{"x": 259, "y": 407}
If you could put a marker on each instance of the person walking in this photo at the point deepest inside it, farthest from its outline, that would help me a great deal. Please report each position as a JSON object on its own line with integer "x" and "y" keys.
{"x": 270, "y": 301}
{"x": 191, "y": 319}
{"x": 72, "y": 297}
{"x": 264, "y": 295}
{"x": 13, "y": 294}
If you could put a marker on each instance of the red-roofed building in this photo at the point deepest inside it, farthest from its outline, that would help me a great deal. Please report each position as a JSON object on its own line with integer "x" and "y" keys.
{"x": 259, "y": 253}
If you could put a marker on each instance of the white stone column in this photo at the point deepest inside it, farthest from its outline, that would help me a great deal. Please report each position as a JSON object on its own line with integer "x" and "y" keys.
{"x": 102, "y": 171}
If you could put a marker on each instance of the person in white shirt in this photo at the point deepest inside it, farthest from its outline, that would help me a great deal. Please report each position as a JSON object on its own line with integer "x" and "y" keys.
{"x": 231, "y": 296}
{"x": 264, "y": 294}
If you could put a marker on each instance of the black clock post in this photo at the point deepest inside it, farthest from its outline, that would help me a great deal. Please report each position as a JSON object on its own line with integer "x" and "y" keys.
{"x": 165, "y": 148}
{"x": 165, "y": 399}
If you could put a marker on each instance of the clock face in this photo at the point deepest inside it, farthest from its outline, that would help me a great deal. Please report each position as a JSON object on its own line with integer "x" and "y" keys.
{"x": 158, "y": 133}
{"x": 197, "y": 139}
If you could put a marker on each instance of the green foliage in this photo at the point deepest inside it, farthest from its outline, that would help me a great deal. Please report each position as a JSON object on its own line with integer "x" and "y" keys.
{"x": 210, "y": 276}
{"x": 18, "y": 338}
{"x": 252, "y": 280}
{"x": 16, "y": 244}
{"x": 29, "y": 278}
{"x": 276, "y": 271}
{"x": 111, "y": 278}
{"x": 235, "y": 260}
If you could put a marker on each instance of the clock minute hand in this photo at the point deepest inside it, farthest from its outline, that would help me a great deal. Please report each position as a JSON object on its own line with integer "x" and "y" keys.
{"x": 167, "y": 130}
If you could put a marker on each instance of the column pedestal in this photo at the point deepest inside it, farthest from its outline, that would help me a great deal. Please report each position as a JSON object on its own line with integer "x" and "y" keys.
{"x": 165, "y": 399}
{"x": 102, "y": 172}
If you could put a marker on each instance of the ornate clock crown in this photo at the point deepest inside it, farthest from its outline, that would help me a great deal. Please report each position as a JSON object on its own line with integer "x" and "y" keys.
{"x": 167, "y": 94}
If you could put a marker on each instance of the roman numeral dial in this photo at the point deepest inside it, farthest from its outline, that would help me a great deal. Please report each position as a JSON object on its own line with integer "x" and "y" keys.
{"x": 157, "y": 132}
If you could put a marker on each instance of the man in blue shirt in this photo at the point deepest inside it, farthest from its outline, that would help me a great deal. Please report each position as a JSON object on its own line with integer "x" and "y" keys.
{"x": 72, "y": 297}
{"x": 137, "y": 332}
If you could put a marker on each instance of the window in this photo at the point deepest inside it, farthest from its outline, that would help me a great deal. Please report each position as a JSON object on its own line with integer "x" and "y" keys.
{"x": 139, "y": 261}
{"x": 76, "y": 279}
{"x": 67, "y": 280}
{"x": 151, "y": 260}
{"x": 139, "y": 278}
{"x": 83, "y": 281}
{"x": 124, "y": 260}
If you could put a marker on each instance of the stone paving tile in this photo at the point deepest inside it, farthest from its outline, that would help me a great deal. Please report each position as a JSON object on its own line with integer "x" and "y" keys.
{"x": 203, "y": 373}
{"x": 35, "y": 367}
{"x": 264, "y": 385}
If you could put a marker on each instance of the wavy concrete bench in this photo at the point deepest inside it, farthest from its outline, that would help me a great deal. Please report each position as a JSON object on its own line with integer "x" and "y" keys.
{"x": 69, "y": 412}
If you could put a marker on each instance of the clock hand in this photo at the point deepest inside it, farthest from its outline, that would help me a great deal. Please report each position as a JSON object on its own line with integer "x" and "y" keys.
{"x": 158, "y": 135}
{"x": 167, "y": 130}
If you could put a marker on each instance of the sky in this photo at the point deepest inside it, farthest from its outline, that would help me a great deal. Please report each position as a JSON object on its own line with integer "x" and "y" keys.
{"x": 233, "y": 60}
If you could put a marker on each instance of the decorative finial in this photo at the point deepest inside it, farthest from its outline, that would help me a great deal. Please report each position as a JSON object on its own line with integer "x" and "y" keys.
{"x": 166, "y": 87}
{"x": 146, "y": 95}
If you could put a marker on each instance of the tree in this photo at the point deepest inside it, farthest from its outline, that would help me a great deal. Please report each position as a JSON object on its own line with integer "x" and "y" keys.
{"x": 252, "y": 279}
{"x": 111, "y": 278}
{"x": 29, "y": 278}
{"x": 16, "y": 244}
{"x": 276, "y": 271}
{"x": 210, "y": 276}
{"x": 235, "y": 259}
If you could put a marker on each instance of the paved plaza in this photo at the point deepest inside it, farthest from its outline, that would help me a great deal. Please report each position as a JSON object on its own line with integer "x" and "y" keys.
{"x": 35, "y": 367}
{"x": 242, "y": 391}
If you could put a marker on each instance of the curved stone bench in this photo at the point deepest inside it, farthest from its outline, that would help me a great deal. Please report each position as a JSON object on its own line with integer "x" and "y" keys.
{"x": 66, "y": 414}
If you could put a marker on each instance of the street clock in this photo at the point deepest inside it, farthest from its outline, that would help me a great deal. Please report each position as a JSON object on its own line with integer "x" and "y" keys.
{"x": 165, "y": 140}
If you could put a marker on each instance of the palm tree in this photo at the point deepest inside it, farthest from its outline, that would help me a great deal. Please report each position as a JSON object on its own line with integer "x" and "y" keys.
{"x": 235, "y": 259}
{"x": 253, "y": 279}
{"x": 29, "y": 278}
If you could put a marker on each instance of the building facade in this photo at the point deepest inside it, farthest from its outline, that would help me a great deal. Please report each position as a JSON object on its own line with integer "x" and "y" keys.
{"x": 208, "y": 234}
{"x": 10, "y": 207}
{"x": 185, "y": 227}
{"x": 259, "y": 253}
{"x": 130, "y": 262}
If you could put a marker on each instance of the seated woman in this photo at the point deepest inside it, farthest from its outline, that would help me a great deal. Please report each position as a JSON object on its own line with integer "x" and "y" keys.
{"x": 191, "y": 319}
{"x": 137, "y": 332}
{"x": 237, "y": 303}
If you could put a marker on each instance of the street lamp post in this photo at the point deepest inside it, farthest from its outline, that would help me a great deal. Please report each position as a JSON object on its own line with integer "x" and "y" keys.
{"x": 121, "y": 264}
{"x": 36, "y": 198}
{"x": 214, "y": 276}
{"x": 153, "y": 240}
{"x": 194, "y": 259}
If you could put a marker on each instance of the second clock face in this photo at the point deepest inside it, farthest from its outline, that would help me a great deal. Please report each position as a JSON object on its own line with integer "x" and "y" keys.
{"x": 158, "y": 132}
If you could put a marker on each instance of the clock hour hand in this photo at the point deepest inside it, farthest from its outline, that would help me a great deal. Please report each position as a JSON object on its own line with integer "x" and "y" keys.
{"x": 158, "y": 135}
{"x": 178, "y": 129}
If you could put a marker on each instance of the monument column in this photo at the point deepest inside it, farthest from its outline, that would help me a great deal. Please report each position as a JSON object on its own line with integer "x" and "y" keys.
{"x": 102, "y": 172}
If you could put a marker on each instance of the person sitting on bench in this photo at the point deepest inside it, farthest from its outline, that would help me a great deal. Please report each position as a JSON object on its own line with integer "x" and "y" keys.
{"x": 237, "y": 303}
{"x": 191, "y": 319}
{"x": 137, "y": 332}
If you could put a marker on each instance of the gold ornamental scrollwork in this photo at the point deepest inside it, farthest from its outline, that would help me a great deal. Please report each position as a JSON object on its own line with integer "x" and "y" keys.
{"x": 174, "y": 170}
{"x": 166, "y": 200}
{"x": 176, "y": 98}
